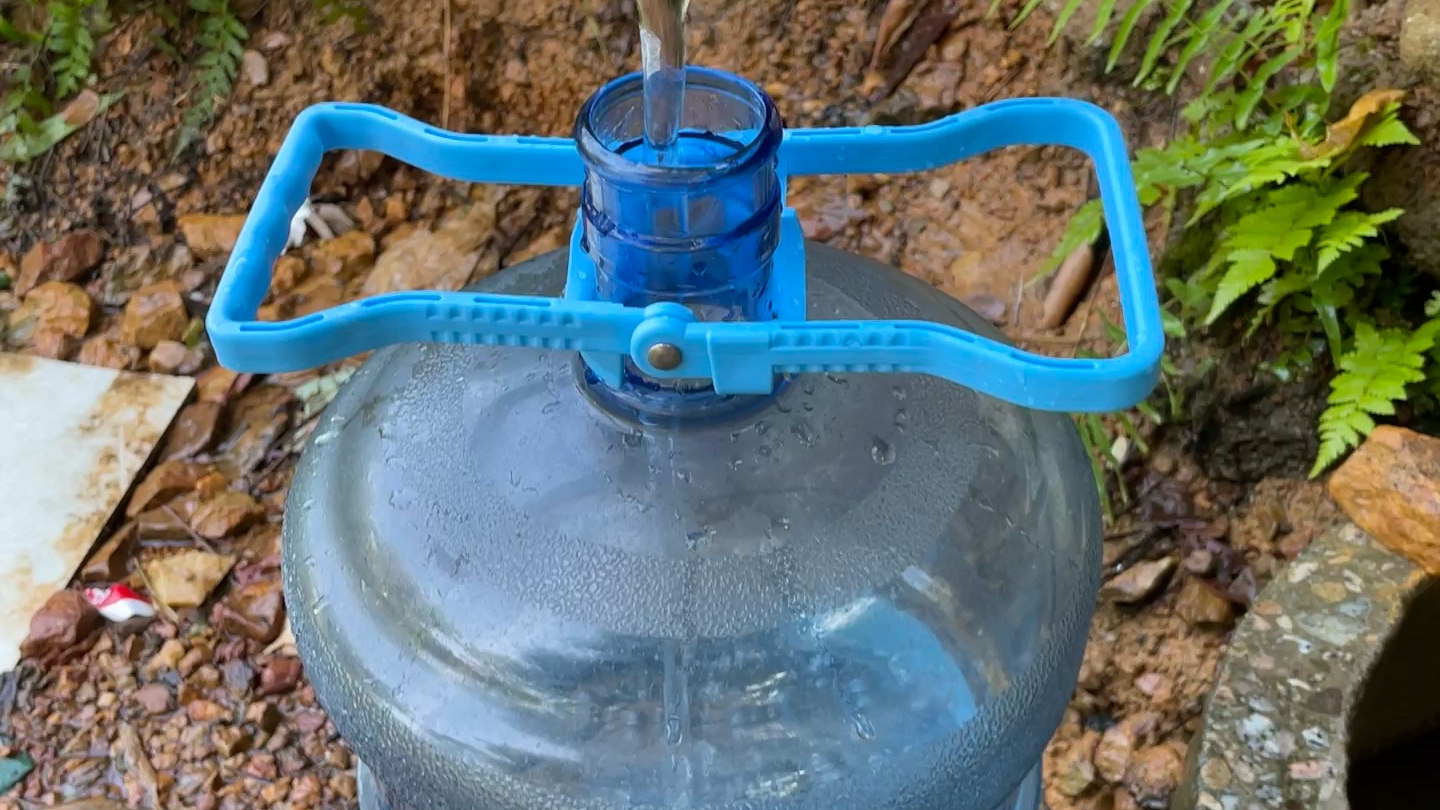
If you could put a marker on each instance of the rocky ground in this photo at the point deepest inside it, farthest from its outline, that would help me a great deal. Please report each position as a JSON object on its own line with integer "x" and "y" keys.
{"x": 116, "y": 249}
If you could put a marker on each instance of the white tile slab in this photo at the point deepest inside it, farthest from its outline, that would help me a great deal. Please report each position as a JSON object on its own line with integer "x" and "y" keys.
{"x": 72, "y": 440}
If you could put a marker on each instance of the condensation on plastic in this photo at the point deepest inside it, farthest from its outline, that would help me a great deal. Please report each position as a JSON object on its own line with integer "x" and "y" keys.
{"x": 872, "y": 595}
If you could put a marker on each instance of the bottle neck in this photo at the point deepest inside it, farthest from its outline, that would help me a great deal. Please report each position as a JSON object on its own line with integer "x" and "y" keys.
{"x": 695, "y": 224}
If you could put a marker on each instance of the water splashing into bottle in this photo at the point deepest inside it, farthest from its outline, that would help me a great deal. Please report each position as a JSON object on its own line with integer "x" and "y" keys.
{"x": 662, "y": 49}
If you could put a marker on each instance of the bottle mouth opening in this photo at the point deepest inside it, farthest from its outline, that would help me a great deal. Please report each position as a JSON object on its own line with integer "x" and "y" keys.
{"x": 728, "y": 126}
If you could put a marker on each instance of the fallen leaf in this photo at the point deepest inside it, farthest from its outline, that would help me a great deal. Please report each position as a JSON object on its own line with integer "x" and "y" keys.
{"x": 92, "y": 804}
{"x": 1341, "y": 134}
{"x": 283, "y": 643}
{"x": 895, "y": 20}
{"x": 186, "y": 579}
{"x": 81, "y": 109}
{"x": 24, "y": 147}
{"x": 128, "y": 757}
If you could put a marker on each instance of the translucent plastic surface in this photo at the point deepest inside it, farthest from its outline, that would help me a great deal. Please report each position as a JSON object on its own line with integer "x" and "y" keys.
{"x": 871, "y": 594}
{"x": 699, "y": 229}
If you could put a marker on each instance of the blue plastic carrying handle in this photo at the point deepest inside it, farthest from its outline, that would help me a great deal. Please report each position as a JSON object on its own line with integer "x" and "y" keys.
{"x": 739, "y": 357}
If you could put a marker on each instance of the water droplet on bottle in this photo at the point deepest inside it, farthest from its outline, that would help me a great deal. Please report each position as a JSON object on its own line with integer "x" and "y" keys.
{"x": 762, "y": 427}
{"x": 808, "y": 388}
{"x": 630, "y": 439}
{"x": 550, "y": 407}
{"x": 804, "y": 432}
{"x": 882, "y": 452}
{"x": 902, "y": 418}
{"x": 673, "y": 733}
{"x": 899, "y": 392}
{"x": 736, "y": 463}
{"x": 864, "y": 729}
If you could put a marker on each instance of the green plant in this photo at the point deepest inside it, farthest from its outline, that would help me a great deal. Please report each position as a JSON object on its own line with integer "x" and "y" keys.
{"x": 48, "y": 65}
{"x": 220, "y": 38}
{"x": 1274, "y": 238}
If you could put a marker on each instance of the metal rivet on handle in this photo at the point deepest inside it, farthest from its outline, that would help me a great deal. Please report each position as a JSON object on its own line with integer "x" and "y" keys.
{"x": 665, "y": 356}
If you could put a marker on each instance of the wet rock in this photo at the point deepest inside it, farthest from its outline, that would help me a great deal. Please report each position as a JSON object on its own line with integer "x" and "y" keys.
{"x": 280, "y": 675}
{"x": 288, "y": 272}
{"x": 66, "y": 259}
{"x": 255, "y": 610}
{"x": 129, "y": 759}
{"x": 193, "y": 431}
{"x": 166, "y": 481}
{"x": 345, "y": 256}
{"x": 186, "y": 579}
{"x": 110, "y": 561}
{"x": 1074, "y": 772}
{"x": 210, "y": 235}
{"x": 226, "y": 515}
{"x": 988, "y": 307}
{"x": 108, "y": 351}
{"x": 154, "y": 698}
{"x": 444, "y": 259}
{"x": 155, "y": 313}
{"x": 264, "y": 714}
{"x": 238, "y": 674}
{"x": 52, "y": 312}
{"x": 356, "y": 166}
{"x": 260, "y": 417}
{"x": 254, "y": 69}
{"x": 1390, "y": 487}
{"x": 1118, "y": 744}
{"x": 1420, "y": 39}
{"x": 1200, "y": 562}
{"x": 63, "y": 628}
{"x": 174, "y": 357}
{"x": 218, "y": 384}
{"x": 207, "y": 712}
{"x": 1203, "y": 606}
{"x": 162, "y": 523}
{"x": 230, "y": 741}
{"x": 1154, "y": 773}
{"x": 1139, "y": 582}
{"x": 167, "y": 657}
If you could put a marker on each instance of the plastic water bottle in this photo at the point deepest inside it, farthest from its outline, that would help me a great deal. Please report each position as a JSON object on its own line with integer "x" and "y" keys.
{"x": 693, "y": 514}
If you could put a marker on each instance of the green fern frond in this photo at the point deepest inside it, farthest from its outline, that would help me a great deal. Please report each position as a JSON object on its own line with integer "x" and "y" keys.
{"x": 1347, "y": 231}
{"x": 1161, "y": 39}
{"x": 221, "y": 40}
{"x": 1374, "y": 375}
{"x": 1200, "y": 38}
{"x": 1327, "y": 43}
{"x": 1127, "y": 27}
{"x": 1247, "y": 270}
{"x": 1388, "y": 130}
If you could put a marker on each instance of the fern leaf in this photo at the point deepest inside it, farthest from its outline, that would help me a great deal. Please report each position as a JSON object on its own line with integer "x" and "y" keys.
{"x": 1259, "y": 82}
{"x": 1127, "y": 27}
{"x": 1327, "y": 43}
{"x": 1199, "y": 39}
{"x": 1349, "y": 230}
{"x": 1389, "y": 131}
{"x": 1235, "y": 51}
{"x": 1103, "y": 15}
{"x": 1375, "y": 374}
{"x": 1248, "y": 269}
{"x": 1025, "y": 12}
{"x": 1063, "y": 19}
{"x": 1161, "y": 39}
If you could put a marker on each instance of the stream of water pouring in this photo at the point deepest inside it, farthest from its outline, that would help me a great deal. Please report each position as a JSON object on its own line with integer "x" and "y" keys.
{"x": 662, "y": 51}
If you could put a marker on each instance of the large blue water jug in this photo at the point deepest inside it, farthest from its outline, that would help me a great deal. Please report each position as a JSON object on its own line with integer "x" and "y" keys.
{"x": 693, "y": 514}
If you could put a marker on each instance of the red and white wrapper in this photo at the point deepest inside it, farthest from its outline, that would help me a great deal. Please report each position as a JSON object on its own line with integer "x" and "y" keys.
{"x": 119, "y": 602}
